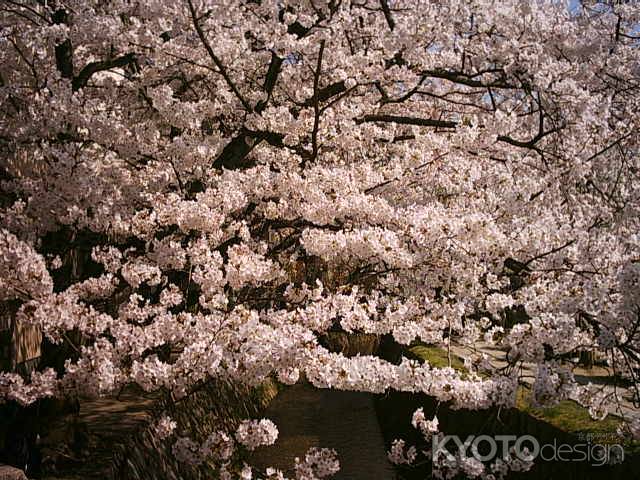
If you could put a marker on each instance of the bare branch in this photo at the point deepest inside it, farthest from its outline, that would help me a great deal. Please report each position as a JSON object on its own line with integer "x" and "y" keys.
{"x": 422, "y": 122}
{"x": 214, "y": 57}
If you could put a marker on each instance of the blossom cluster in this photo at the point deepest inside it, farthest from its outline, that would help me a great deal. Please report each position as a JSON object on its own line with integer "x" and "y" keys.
{"x": 252, "y": 433}
{"x": 446, "y": 465}
{"x": 203, "y": 190}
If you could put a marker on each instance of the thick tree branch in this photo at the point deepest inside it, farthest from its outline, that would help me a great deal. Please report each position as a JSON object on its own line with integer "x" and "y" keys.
{"x": 80, "y": 81}
{"x": 423, "y": 122}
{"x": 387, "y": 14}
{"x": 468, "y": 80}
{"x": 270, "y": 80}
{"x": 324, "y": 94}
{"x": 234, "y": 154}
{"x": 64, "y": 50}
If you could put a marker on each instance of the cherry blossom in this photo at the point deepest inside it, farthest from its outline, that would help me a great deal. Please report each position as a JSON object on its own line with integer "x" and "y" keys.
{"x": 196, "y": 191}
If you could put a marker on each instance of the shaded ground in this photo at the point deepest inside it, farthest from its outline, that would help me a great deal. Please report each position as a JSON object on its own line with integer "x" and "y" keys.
{"x": 101, "y": 424}
{"x": 345, "y": 421}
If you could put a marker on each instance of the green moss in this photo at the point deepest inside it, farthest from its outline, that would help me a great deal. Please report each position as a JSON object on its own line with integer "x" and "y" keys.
{"x": 569, "y": 417}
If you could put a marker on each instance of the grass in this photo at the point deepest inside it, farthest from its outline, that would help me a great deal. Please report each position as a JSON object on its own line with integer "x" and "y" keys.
{"x": 436, "y": 356}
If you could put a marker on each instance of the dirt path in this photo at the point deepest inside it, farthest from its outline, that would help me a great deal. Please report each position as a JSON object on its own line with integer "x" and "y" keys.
{"x": 345, "y": 421}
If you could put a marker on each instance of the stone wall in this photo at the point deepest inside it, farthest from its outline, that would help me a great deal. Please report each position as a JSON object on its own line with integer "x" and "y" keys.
{"x": 121, "y": 445}
{"x": 218, "y": 404}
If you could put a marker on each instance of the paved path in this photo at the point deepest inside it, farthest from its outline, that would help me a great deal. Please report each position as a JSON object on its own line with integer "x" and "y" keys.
{"x": 345, "y": 421}
{"x": 596, "y": 375}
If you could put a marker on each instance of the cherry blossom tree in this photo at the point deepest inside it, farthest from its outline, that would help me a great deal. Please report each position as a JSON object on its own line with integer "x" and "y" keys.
{"x": 202, "y": 189}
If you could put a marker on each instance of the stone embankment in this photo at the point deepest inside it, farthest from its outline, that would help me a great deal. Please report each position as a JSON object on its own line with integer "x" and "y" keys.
{"x": 120, "y": 445}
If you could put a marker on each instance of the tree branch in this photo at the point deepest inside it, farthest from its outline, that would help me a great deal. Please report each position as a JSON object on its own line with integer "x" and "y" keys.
{"x": 316, "y": 105}
{"x": 233, "y": 155}
{"x": 423, "y": 122}
{"x": 64, "y": 50}
{"x": 387, "y": 14}
{"x": 466, "y": 79}
{"x": 81, "y": 80}
{"x": 529, "y": 143}
{"x": 270, "y": 80}
{"x": 214, "y": 57}
{"x": 326, "y": 93}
